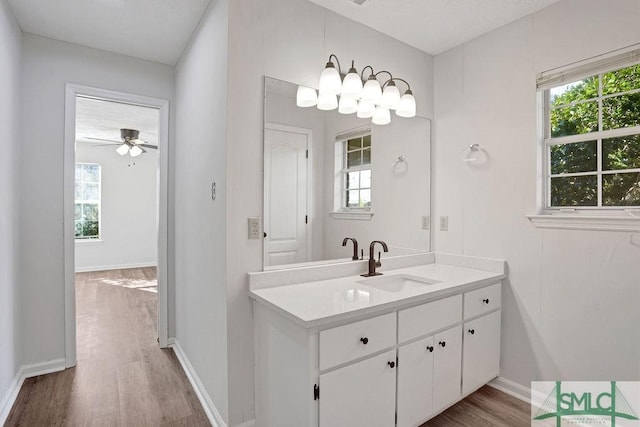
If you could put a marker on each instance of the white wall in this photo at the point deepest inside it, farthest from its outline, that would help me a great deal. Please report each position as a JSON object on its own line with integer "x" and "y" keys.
{"x": 200, "y": 234}
{"x": 10, "y": 52}
{"x": 47, "y": 65}
{"x": 128, "y": 225}
{"x": 289, "y": 40}
{"x": 571, "y": 301}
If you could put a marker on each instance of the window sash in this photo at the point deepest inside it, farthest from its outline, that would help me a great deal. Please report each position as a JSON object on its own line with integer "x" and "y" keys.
{"x": 96, "y": 202}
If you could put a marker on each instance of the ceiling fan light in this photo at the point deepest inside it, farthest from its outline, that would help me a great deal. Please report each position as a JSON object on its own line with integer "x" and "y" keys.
{"x": 390, "y": 96}
{"x": 327, "y": 101}
{"x": 135, "y": 151}
{"x": 381, "y": 116}
{"x": 371, "y": 91}
{"x": 122, "y": 150}
{"x": 407, "y": 106}
{"x": 306, "y": 97}
{"x": 352, "y": 84}
{"x": 365, "y": 109}
{"x": 330, "y": 81}
{"x": 347, "y": 105}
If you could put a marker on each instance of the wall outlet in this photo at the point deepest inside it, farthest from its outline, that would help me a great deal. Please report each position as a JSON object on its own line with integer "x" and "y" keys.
{"x": 254, "y": 227}
{"x": 444, "y": 223}
{"x": 426, "y": 222}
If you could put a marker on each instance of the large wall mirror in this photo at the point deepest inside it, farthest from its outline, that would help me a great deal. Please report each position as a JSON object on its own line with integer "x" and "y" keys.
{"x": 328, "y": 176}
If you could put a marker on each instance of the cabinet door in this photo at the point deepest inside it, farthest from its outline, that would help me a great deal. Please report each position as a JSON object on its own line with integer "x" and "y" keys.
{"x": 481, "y": 359}
{"x": 415, "y": 382}
{"x": 447, "y": 364}
{"x": 361, "y": 394}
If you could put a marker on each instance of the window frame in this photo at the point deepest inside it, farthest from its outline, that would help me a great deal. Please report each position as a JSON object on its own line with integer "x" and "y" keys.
{"x": 547, "y": 81}
{"x": 98, "y": 202}
{"x": 346, "y": 170}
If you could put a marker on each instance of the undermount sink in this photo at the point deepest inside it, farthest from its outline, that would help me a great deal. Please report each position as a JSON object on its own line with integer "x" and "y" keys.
{"x": 398, "y": 282}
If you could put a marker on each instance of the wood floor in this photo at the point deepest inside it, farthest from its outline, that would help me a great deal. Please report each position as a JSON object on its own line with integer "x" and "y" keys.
{"x": 122, "y": 378}
{"x": 486, "y": 407}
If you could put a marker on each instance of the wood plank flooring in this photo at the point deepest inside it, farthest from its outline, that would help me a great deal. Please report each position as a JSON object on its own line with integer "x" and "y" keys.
{"x": 122, "y": 378}
{"x": 486, "y": 407}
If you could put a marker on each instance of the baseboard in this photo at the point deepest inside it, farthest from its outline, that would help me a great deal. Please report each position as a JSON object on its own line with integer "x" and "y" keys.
{"x": 26, "y": 371}
{"x": 209, "y": 407}
{"x": 115, "y": 267}
{"x": 512, "y": 388}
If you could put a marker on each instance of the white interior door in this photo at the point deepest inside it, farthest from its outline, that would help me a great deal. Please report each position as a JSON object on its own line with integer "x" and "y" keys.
{"x": 285, "y": 195}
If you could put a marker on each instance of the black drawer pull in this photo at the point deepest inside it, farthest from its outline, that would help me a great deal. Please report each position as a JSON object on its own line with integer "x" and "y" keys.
{"x": 442, "y": 343}
{"x": 472, "y": 331}
{"x": 391, "y": 364}
{"x": 430, "y": 348}
{"x": 364, "y": 340}
{"x": 486, "y": 300}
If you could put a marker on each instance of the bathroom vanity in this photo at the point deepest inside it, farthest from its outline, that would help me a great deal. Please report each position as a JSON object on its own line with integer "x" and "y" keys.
{"x": 337, "y": 349}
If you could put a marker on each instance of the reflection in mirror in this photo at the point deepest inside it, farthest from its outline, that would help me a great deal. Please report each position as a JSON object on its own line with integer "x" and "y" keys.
{"x": 328, "y": 176}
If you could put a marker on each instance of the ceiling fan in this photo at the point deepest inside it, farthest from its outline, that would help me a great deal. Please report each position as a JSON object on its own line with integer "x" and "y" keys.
{"x": 130, "y": 143}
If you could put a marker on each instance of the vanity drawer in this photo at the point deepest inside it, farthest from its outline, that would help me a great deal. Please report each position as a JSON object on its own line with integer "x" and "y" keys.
{"x": 430, "y": 317}
{"x": 482, "y": 300}
{"x": 349, "y": 342}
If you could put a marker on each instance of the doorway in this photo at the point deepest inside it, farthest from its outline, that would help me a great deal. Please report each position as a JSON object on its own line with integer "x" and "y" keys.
{"x": 132, "y": 146}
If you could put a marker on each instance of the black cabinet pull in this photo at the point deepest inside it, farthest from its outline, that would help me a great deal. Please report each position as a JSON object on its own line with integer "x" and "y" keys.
{"x": 442, "y": 343}
{"x": 364, "y": 340}
{"x": 391, "y": 364}
{"x": 486, "y": 300}
{"x": 472, "y": 331}
{"x": 430, "y": 348}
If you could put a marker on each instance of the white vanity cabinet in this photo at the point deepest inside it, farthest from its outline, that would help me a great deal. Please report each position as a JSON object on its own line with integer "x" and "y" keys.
{"x": 481, "y": 357}
{"x": 400, "y": 367}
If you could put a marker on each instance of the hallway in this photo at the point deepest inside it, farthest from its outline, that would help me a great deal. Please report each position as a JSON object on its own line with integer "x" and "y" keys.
{"x": 122, "y": 377}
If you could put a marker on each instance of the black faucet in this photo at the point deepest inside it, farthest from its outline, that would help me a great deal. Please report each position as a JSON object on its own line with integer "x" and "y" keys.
{"x": 355, "y": 247}
{"x": 372, "y": 262}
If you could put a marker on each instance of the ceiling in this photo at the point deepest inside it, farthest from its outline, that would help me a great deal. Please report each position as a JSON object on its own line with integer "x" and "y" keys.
{"x": 156, "y": 30}
{"x": 435, "y": 26}
{"x": 159, "y": 30}
{"x": 98, "y": 118}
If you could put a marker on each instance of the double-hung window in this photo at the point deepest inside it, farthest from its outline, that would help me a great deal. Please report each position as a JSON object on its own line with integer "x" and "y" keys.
{"x": 355, "y": 175}
{"x": 87, "y": 201}
{"x": 592, "y": 135}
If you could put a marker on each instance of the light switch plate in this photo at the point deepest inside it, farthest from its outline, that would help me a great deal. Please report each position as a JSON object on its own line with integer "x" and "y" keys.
{"x": 426, "y": 220}
{"x": 444, "y": 223}
{"x": 254, "y": 227}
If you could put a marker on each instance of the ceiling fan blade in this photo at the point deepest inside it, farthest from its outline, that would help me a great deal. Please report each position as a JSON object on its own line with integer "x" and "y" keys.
{"x": 153, "y": 147}
{"x": 102, "y": 139}
{"x": 139, "y": 146}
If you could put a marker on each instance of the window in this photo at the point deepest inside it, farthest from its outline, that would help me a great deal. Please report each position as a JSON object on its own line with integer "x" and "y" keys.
{"x": 356, "y": 172}
{"x": 87, "y": 201}
{"x": 592, "y": 135}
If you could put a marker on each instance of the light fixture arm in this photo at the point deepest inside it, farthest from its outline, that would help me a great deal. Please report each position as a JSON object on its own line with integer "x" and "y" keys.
{"x": 362, "y": 73}
{"x": 384, "y": 71}
{"x": 399, "y": 79}
{"x": 338, "y": 61}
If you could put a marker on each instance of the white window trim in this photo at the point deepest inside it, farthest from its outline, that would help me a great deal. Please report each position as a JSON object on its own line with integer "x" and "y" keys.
{"x": 600, "y": 218}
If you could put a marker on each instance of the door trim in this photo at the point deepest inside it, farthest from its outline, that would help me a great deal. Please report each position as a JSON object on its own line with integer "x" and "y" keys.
{"x": 71, "y": 91}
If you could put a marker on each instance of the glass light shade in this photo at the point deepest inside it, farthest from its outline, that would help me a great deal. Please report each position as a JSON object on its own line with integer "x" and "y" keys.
{"x": 306, "y": 97}
{"x": 371, "y": 91}
{"x": 122, "y": 150}
{"x": 381, "y": 116}
{"x": 365, "y": 109}
{"x": 347, "y": 105}
{"x": 390, "y": 96}
{"x": 407, "y": 106}
{"x": 327, "y": 101}
{"x": 352, "y": 85}
{"x": 330, "y": 81}
{"x": 135, "y": 151}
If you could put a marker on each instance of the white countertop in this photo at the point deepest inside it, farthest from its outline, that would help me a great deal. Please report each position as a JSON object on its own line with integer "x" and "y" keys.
{"x": 321, "y": 302}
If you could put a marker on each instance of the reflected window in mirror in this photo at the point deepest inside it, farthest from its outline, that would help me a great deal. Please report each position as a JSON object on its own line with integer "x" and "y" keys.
{"x": 354, "y": 173}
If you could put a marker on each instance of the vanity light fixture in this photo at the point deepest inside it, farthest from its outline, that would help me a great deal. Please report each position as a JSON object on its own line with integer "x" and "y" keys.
{"x": 369, "y": 100}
